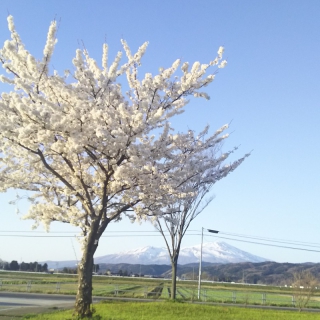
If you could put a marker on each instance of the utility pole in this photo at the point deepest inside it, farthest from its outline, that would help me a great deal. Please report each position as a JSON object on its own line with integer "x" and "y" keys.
{"x": 200, "y": 262}
{"x": 200, "y": 265}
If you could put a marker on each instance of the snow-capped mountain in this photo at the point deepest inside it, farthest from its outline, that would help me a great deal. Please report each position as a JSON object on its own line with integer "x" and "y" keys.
{"x": 214, "y": 252}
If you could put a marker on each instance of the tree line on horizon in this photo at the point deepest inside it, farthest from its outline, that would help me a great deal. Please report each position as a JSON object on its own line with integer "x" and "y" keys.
{"x": 24, "y": 266}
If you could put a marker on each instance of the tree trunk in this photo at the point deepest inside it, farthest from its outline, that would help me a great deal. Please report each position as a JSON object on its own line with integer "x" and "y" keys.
{"x": 83, "y": 303}
{"x": 84, "y": 294}
{"x": 85, "y": 269}
{"x": 174, "y": 263}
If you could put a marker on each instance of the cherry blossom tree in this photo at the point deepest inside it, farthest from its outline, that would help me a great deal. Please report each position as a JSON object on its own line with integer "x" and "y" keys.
{"x": 86, "y": 151}
{"x": 173, "y": 227}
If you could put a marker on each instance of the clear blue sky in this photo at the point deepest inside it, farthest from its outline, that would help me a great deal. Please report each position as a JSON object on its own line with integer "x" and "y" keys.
{"x": 270, "y": 90}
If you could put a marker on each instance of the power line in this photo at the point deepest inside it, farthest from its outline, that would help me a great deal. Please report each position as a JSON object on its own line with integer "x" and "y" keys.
{"x": 74, "y": 235}
{"x": 124, "y": 233}
{"x": 266, "y": 244}
{"x": 309, "y": 244}
{"x": 142, "y": 233}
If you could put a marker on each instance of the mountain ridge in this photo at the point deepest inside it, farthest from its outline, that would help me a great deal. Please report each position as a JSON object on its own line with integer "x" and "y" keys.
{"x": 212, "y": 252}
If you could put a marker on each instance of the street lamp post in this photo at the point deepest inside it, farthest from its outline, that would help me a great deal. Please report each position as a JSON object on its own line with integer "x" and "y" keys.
{"x": 200, "y": 262}
{"x": 200, "y": 265}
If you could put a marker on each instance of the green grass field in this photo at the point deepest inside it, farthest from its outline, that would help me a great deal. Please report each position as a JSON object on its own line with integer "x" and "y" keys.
{"x": 175, "y": 311}
{"x": 151, "y": 288}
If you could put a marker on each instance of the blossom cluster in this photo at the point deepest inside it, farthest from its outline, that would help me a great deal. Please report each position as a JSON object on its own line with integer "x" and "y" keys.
{"x": 88, "y": 151}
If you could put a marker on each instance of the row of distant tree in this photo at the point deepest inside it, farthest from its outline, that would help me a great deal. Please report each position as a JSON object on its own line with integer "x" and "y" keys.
{"x": 123, "y": 273}
{"x": 36, "y": 267}
{"x": 69, "y": 270}
{"x": 24, "y": 266}
{"x": 96, "y": 269}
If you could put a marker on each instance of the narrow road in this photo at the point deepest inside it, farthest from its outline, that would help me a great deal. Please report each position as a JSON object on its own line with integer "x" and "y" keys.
{"x": 22, "y": 298}
{"x": 14, "y": 304}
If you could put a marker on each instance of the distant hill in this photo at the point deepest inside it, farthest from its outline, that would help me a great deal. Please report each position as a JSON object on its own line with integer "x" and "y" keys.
{"x": 221, "y": 262}
{"x": 268, "y": 272}
{"x": 271, "y": 273}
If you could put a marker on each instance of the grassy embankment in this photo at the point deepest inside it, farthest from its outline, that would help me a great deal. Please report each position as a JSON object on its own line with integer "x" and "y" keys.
{"x": 175, "y": 311}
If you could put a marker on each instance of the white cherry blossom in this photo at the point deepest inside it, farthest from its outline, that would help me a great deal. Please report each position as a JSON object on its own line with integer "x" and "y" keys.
{"x": 89, "y": 152}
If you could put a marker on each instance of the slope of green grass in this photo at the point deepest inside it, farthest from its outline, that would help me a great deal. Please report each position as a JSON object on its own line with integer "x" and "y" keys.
{"x": 175, "y": 311}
